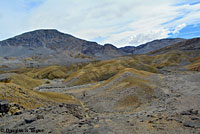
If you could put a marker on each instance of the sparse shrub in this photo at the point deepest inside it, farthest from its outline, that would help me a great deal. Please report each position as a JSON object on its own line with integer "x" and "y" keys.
{"x": 47, "y": 82}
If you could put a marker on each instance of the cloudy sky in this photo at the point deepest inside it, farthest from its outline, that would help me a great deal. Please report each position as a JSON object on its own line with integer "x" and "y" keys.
{"x": 120, "y": 22}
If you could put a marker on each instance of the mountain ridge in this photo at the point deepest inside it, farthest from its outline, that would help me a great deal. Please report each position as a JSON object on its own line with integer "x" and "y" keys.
{"x": 54, "y": 39}
{"x": 186, "y": 46}
{"x": 151, "y": 46}
{"x": 49, "y": 46}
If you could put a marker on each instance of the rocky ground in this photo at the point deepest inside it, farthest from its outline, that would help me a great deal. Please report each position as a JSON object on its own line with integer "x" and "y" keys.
{"x": 175, "y": 110}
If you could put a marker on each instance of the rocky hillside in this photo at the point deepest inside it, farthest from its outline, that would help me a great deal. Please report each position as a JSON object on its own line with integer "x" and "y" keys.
{"x": 151, "y": 46}
{"x": 51, "y": 42}
{"x": 51, "y": 47}
{"x": 191, "y": 46}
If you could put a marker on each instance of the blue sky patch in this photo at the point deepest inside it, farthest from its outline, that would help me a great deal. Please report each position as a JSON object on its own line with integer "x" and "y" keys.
{"x": 190, "y": 31}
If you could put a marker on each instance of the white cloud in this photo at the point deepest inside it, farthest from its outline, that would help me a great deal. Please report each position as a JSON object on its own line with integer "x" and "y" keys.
{"x": 121, "y": 22}
{"x": 149, "y": 36}
{"x": 178, "y": 28}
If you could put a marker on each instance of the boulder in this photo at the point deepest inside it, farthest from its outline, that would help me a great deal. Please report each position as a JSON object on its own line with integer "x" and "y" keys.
{"x": 192, "y": 124}
{"x": 5, "y": 78}
{"x": 190, "y": 112}
{"x": 4, "y": 106}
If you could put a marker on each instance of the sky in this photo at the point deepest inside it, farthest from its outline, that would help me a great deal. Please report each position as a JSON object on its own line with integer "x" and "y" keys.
{"x": 119, "y": 22}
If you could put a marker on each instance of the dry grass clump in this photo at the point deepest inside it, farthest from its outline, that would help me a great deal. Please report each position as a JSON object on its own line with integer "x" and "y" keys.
{"x": 25, "y": 81}
{"x": 82, "y": 56}
{"x": 195, "y": 58}
{"x": 136, "y": 80}
{"x": 171, "y": 59}
{"x": 194, "y": 66}
{"x": 139, "y": 75}
{"x": 56, "y": 97}
{"x": 129, "y": 101}
{"x": 28, "y": 59}
{"x": 104, "y": 70}
{"x": 19, "y": 89}
{"x": 51, "y": 72}
{"x": 31, "y": 99}
{"x": 164, "y": 60}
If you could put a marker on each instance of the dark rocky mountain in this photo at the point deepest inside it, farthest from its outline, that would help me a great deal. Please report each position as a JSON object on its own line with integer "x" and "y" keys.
{"x": 47, "y": 47}
{"x": 190, "y": 45}
{"x": 51, "y": 41}
{"x": 151, "y": 46}
{"x": 128, "y": 49}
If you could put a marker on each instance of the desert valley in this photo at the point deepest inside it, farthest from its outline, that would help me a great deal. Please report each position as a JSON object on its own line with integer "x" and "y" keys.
{"x": 51, "y": 82}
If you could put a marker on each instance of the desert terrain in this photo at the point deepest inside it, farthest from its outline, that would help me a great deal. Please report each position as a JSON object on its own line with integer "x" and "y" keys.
{"x": 85, "y": 88}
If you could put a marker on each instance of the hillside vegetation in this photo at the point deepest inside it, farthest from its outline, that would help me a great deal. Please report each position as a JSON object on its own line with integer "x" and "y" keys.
{"x": 194, "y": 66}
{"x": 127, "y": 90}
{"x": 138, "y": 81}
{"x": 164, "y": 60}
{"x": 116, "y": 77}
{"x": 19, "y": 90}
{"x": 51, "y": 72}
{"x": 104, "y": 70}
{"x": 30, "y": 99}
{"x": 25, "y": 81}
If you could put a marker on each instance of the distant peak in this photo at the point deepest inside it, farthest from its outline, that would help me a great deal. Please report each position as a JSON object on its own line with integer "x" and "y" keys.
{"x": 109, "y": 45}
{"x": 45, "y": 30}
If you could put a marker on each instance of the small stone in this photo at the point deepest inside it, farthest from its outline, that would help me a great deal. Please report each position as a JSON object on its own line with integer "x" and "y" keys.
{"x": 154, "y": 126}
{"x": 4, "y": 106}
{"x": 195, "y": 112}
{"x": 40, "y": 117}
{"x": 5, "y": 78}
{"x": 192, "y": 124}
{"x": 28, "y": 121}
{"x": 161, "y": 128}
{"x": 195, "y": 118}
{"x": 61, "y": 105}
{"x": 150, "y": 116}
{"x": 150, "y": 121}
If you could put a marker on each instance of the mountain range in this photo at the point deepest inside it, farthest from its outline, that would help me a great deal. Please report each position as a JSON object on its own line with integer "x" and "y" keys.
{"x": 54, "y": 42}
{"x": 47, "y": 41}
{"x": 49, "y": 46}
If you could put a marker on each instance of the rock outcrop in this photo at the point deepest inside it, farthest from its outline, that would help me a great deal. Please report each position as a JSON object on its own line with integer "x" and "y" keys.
{"x": 5, "y": 78}
{"x": 4, "y": 106}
